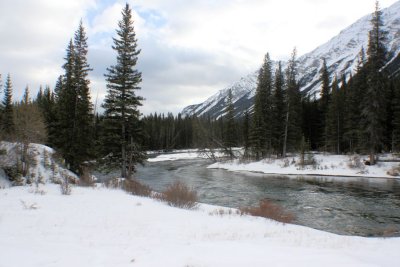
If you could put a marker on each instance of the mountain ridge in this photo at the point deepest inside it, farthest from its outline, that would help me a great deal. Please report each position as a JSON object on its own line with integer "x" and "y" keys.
{"x": 340, "y": 53}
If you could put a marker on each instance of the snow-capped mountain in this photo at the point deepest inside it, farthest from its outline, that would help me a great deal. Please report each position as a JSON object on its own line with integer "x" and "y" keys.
{"x": 340, "y": 52}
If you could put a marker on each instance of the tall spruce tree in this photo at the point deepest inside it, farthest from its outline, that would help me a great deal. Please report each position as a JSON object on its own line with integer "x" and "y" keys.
{"x": 292, "y": 134}
{"x": 357, "y": 86}
{"x": 7, "y": 123}
{"x": 83, "y": 106}
{"x": 261, "y": 134}
{"x": 246, "y": 133}
{"x": 396, "y": 117}
{"x": 278, "y": 110}
{"x": 324, "y": 102}
{"x": 66, "y": 109}
{"x": 334, "y": 118}
{"x": 122, "y": 132}
{"x": 374, "y": 104}
{"x": 230, "y": 129}
{"x": 74, "y": 109}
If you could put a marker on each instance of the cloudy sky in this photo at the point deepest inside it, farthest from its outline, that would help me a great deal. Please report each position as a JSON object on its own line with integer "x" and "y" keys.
{"x": 190, "y": 49}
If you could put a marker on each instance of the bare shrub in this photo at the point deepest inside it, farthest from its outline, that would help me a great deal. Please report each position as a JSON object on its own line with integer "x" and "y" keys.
{"x": 180, "y": 195}
{"x": 136, "y": 188}
{"x": 286, "y": 163}
{"x": 270, "y": 210}
{"x": 114, "y": 183}
{"x": 65, "y": 185}
{"x": 86, "y": 178}
{"x": 395, "y": 171}
{"x": 131, "y": 186}
{"x": 355, "y": 163}
{"x": 390, "y": 231}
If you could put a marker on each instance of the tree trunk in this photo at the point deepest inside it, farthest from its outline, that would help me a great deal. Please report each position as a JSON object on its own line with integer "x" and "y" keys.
{"x": 123, "y": 152}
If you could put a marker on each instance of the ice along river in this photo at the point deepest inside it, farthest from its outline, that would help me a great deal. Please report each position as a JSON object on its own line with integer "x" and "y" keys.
{"x": 349, "y": 206}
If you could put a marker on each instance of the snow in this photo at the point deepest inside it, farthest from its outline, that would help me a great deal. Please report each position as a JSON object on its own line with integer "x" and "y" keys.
{"x": 103, "y": 227}
{"x": 176, "y": 156}
{"x": 44, "y": 167}
{"x": 325, "y": 165}
{"x": 330, "y": 165}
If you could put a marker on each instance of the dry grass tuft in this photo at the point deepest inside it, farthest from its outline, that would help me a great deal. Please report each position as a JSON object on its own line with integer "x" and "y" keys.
{"x": 179, "y": 195}
{"x": 131, "y": 186}
{"x": 136, "y": 188}
{"x": 270, "y": 210}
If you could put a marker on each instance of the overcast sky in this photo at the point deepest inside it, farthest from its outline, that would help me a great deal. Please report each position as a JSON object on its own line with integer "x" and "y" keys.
{"x": 190, "y": 49}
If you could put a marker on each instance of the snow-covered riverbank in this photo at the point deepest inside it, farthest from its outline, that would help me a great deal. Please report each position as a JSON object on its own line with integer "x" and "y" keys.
{"x": 102, "y": 227}
{"x": 319, "y": 164}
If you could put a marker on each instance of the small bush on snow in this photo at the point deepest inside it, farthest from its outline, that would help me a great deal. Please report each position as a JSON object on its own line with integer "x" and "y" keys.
{"x": 270, "y": 210}
{"x": 179, "y": 195}
{"x": 395, "y": 171}
{"x": 355, "y": 163}
{"x": 130, "y": 185}
{"x": 65, "y": 185}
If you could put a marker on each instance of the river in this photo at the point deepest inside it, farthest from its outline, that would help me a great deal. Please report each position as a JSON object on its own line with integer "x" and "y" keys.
{"x": 347, "y": 206}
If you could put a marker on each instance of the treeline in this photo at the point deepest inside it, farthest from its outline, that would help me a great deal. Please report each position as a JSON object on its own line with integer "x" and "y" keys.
{"x": 357, "y": 113}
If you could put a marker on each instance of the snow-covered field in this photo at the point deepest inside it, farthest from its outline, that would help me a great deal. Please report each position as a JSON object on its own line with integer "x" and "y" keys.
{"x": 103, "y": 227}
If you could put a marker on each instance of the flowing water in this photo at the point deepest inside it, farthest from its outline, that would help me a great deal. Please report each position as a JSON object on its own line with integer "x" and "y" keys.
{"x": 342, "y": 205}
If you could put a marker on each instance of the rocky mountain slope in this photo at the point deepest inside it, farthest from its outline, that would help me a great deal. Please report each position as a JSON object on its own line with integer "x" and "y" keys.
{"x": 340, "y": 52}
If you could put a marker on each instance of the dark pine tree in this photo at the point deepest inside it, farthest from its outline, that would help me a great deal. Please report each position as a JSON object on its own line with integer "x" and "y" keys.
{"x": 66, "y": 110}
{"x": 278, "y": 111}
{"x": 292, "y": 133}
{"x": 324, "y": 103}
{"x": 261, "y": 138}
{"x": 230, "y": 129}
{"x": 374, "y": 104}
{"x": 396, "y": 117}
{"x": 7, "y": 123}
{"x": 246, "y": 133}
{"x": 122, "y": 132}
{"x": 353, "y": 133}
{"x": 83, "y": 138}
{"x": 334, "y": 119}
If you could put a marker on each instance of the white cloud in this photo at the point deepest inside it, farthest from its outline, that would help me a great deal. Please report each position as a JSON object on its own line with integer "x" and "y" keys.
{"x": 190, "y": 49}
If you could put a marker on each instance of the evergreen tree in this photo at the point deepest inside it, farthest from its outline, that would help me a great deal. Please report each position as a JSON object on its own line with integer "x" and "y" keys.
{"x": 66, "y": 110}
{"x": 396, "y": 117}
{"x": 334, "y": 119}
{"x": 246, "y": 133}
{"x": 355, "y": 90}
{"x": 47, "y": 107}
{"x": 324, "y": 102}
{"x": 83, "y": 106}
{"x": 122, "y": 123}
{"x": 261, "y": 131}
{"x": 7, "y": 124}
{"x": 374, "y": 104}
{"x": 292, "y": 134}
{"x": 230, "y": 129}
{"x": 72, "y": 125}
{"x": 278, "y": 111}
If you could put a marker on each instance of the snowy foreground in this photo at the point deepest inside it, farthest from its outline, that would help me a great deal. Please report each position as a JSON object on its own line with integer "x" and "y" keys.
{"x": 103, "y": 227}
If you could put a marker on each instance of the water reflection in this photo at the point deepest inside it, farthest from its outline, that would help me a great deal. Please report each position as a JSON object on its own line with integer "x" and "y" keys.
{"x": 343, "y": 205}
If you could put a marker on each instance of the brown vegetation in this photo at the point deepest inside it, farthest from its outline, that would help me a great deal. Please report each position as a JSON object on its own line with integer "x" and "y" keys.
{"x": 179, "y": 195}
{"x": 270, "y": 210}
